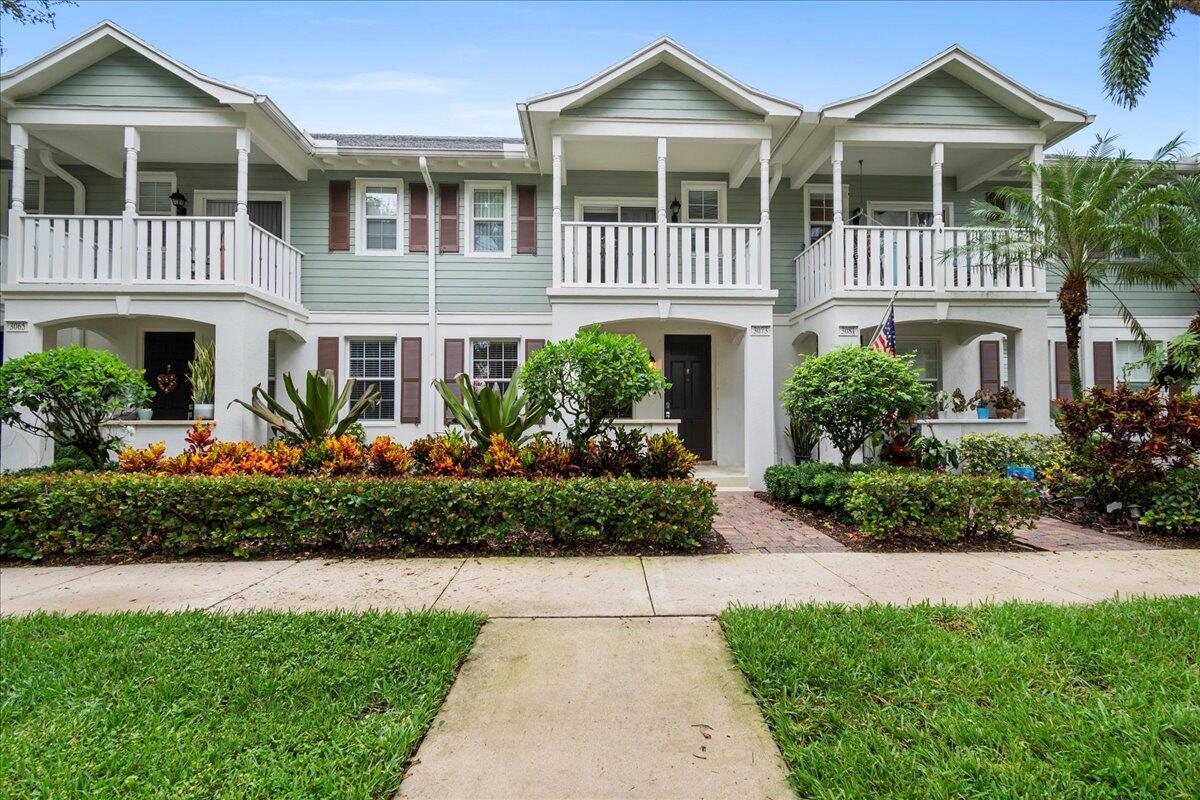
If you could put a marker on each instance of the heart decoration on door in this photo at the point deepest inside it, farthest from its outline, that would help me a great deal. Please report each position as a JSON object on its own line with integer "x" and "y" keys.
{"x": 167, "y": 381}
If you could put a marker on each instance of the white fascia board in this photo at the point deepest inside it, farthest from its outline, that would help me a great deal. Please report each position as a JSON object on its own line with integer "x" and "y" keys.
{"x": 281, "y": 149}
{"x": 960, "y": 135}
{"x": 749, "y": 132}
{"x": 91, "y": 116}
{"x": 665, "y": 50}
{"x": 975, "y": 72}
{"x": 94, "y": 44}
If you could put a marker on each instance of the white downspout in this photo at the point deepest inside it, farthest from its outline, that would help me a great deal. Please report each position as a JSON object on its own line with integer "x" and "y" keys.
{"x": 432, "y": 360}
{"x": 49, "y": 163}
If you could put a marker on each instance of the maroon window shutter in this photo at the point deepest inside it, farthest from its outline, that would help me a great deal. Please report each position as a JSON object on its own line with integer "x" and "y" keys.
{"x": 418, "y": 218}
{"x": 410, "y": 379}
{"x": 448, "y": 218}
{"x": 339, "y": 216}
{"x": 1062, "y": 372}
{"x": 989, "y": 367}
{"x": 1102, "y": 365}
{"x": 527, "y": 219}
{"x": 327, "y": 355}
{"x": 531, "y": 347}
{"x": 455, "y": 350}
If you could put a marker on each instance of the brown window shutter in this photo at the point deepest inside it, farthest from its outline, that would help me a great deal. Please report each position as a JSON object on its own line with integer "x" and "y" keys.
{"x": 448, "y": 218}
{"x": 455, "y": 350}
{"x": 339, "y": 216}
{"x": 1102, "y": 365}
{"x": 418, "y": 218}
{"x": 527, "y": 219}
{"x": 989, "y": 367}
{"x": 410, "y": 379}
{"x": 1062, "y": 372}
{"x": 531, "y": 347}
{"x": 327, "y": 355}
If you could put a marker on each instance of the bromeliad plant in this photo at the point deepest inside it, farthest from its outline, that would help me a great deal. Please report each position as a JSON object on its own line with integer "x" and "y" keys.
{"x": 316, "y": 417}
{"x": 484, "y": 412}
{"x": 202, "y": 372}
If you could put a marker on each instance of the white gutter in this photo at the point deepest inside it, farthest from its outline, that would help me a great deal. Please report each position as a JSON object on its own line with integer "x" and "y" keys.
{"x": 431, "y": 227}
{"x": 80, "y": 192}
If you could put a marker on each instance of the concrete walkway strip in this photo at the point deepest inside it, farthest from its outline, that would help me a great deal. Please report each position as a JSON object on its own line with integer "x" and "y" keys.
{"x": 598, "y": 708}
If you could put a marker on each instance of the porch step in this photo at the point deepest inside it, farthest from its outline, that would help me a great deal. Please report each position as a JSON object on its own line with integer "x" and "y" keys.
{"x": 727, "y": 479}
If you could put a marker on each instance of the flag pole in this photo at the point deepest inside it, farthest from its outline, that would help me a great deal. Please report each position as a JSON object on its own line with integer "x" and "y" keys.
{"x": 887, "y": 308}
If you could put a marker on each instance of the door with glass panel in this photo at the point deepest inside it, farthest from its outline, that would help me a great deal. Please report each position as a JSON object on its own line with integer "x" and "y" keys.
{"x": 703, "y": 209}
{"x": 630, "y": 248}
{"x": 906, "y": 255}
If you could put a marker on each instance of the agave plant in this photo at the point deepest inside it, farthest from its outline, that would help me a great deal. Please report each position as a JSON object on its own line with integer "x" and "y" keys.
{"x": 482, "y": 411}
{"x": 316, "y": 415}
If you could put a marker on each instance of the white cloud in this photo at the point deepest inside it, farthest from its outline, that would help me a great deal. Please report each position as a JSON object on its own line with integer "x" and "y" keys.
{"x": 381, "y": 81}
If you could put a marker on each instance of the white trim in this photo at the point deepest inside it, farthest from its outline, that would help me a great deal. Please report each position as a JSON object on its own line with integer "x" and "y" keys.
{"x": 820, "y": 188}
{"x": 469, "y": 188}
{"x": 580, "y": 202}
{"x": 909, "y": 205}
{"x": 155, "y": 177}
{"x": 345, "y": 370}
{"x": 360, "y": 216}
{"x": 722, "y": 201}
{"x": 200, "y": 196}
{"x": 519, "y": 341}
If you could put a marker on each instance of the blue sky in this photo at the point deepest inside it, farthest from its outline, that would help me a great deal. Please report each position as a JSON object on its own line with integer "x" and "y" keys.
{"x": 460, "y": 68}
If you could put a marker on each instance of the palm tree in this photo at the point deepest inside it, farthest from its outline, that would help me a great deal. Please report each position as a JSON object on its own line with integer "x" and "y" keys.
{"x": 1091, "y": 208}
{"x": 1135, "y": 34}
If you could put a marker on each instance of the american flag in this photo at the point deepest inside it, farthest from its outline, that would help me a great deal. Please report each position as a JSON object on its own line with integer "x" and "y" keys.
{"x": 885, "y": 334}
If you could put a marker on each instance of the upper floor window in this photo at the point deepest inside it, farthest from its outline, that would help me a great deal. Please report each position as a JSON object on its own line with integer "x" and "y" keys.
{"x": 373, "y": 363}
{"x": 380, "y": 225}
{"x": 488, "y": 226}
{"x": 494, "y": 361}
{"x": 154, "y": 193}
{"x": 820, "y": 215}
{"x": 703, "y": 201}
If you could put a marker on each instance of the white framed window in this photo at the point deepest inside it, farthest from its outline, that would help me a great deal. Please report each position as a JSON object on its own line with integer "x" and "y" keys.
{"x": 616, "y": 209}
{"x": 494, "y": 361}
{"x": 1126, "y": 353}
{"x": 379, "y": 230}
{"x": 373, "y": 363}
{"x": 927, "y": 357}
{"x": 818, "y": 209}
{"x": 489, "y": 218}
{"x": 35, "y": 195}
{"x": 154, "y": 194}
{"x": 704, "y": 201}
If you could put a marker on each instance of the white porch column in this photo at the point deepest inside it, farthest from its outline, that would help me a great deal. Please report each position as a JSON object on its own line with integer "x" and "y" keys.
{"x": 936, "y": 158}
{"x": 764, "y": 212}
{"x": 1032, "y": 372}
{"x": 1037, "y": 157}
{"x": 16, "y": 229}
{"x": 133, "y": 143}
{"x": 556, "y": 231}
{"x": 240, "y": 337}
{"x": 660, "y": 250}
{"x": 839, "y": 235}
{"x": 758, "y": 405}
{"x": 241, "y": 218}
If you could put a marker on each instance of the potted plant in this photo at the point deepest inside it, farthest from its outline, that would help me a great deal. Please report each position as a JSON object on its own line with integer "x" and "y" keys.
{"x": 144, "y": 414}
{"x": 201, "y": 369}
{"x": 980, "y": 402}
{"x": 1005, "y": 402}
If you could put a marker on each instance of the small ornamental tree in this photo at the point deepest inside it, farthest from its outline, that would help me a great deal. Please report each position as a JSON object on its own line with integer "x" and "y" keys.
{"x": 586, "y": 382}
{"x": 854, "y": 392}
{"x": 68, "y": 392}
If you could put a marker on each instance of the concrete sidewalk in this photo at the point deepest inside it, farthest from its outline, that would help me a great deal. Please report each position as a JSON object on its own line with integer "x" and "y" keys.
{"x": 602, "y": 587}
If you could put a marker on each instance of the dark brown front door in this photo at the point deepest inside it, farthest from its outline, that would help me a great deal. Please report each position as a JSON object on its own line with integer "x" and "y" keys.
{"x": 689, "y": 370}
{"x": 165, "y": 359}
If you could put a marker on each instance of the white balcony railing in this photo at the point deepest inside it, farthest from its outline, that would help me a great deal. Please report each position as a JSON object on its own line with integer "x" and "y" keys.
{"x": 166, "y": 251}
{"x": 908, "y": 259}
{"x": 626, "y": 255}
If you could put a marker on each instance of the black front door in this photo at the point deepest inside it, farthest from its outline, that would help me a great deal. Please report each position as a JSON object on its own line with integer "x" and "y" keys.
{"x": 689, "y": 370}
{"x": 165, "y": 358}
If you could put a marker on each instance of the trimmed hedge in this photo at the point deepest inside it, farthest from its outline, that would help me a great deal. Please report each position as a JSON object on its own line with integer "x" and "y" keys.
{"x": 100, "y": 514}
{"x": 1175, "y": 508}
{"x": 948, "y": 506}
{"x": 815, "y": 484}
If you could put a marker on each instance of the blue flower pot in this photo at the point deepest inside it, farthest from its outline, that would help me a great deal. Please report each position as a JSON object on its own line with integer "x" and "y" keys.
{"x": 982, "y": 413}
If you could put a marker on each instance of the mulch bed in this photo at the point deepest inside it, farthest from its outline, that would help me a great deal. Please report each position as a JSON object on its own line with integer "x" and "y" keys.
{"x": 859, "y": 542}
{"x": 1123, "y": 528}
{"x": 710, "y": 544}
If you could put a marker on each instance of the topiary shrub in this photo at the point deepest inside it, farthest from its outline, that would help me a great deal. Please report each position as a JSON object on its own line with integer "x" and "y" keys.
{"x": 1175, "y": 508}
{"x": 65, "y": 394}
{"x": 853, "y": 393}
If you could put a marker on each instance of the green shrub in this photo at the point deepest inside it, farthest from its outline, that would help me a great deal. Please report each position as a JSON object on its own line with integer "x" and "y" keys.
{"x": 178, "y": 515}
{"x": 815, "y": 484}
{"x": 990, "y": 453}
{"x": 950, "y": 507}
{"x": 1175, "y": 508}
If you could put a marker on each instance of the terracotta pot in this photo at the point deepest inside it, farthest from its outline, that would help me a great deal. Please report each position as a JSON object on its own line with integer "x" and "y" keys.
{"x": 1004, "y": 413}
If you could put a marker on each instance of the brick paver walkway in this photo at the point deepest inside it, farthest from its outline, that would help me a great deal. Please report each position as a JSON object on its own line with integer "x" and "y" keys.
{"x": 750, "y": 525}
{"x": 1056, "y": 536}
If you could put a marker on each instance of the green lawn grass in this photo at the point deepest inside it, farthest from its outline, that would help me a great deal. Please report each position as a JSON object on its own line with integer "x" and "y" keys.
{"x": 196, "y": 705}
{"x": 1000, "y": 701}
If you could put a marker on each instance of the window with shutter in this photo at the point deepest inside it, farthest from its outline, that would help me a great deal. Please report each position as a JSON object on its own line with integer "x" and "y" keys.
{"x": 1102, "y": 365}
{"x": 410, "y": 379}
{"x": 339, "y": 216}
{"x": 448, "y": 218}
{"x": 418, "y": 218}
{"x": 527, "y": 220}
{"x": 989, "y": 366}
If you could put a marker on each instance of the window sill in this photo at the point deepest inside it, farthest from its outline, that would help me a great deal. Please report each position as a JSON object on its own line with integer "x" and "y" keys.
{"x": 499, "y": 254}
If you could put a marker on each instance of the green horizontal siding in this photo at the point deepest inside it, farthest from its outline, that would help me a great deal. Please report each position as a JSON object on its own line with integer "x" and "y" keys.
{"x": 661, "y": 92}
{"x": 125, "y": 78}
{"x": 942, "y": 99}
